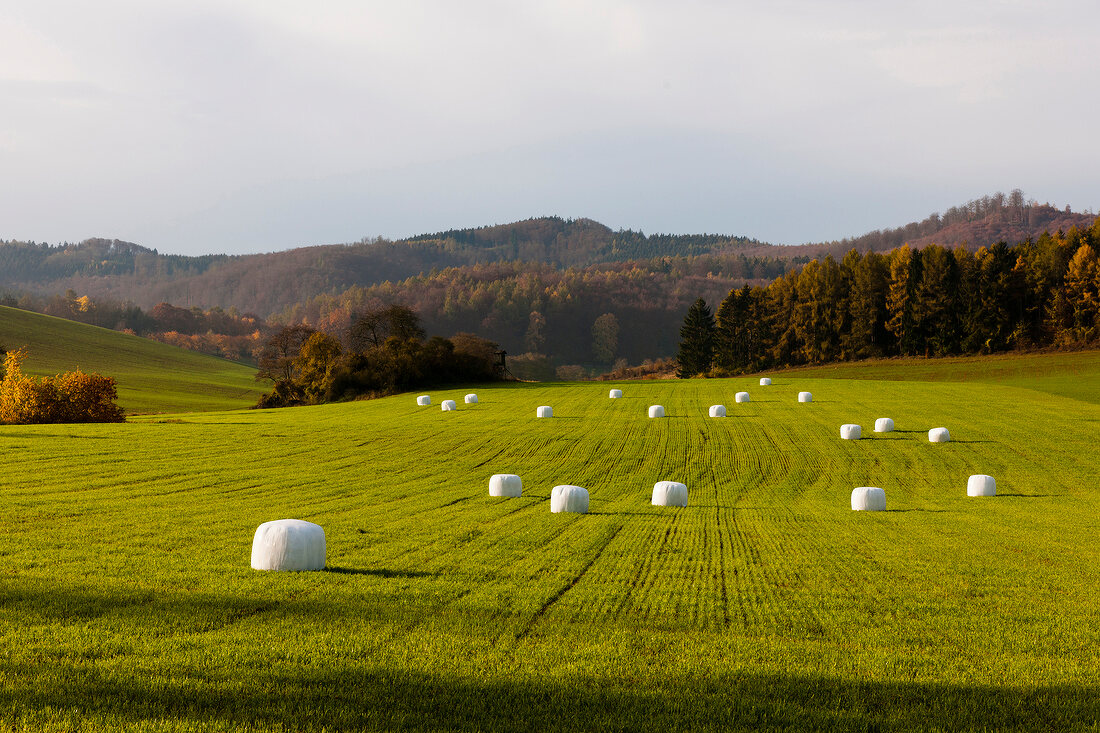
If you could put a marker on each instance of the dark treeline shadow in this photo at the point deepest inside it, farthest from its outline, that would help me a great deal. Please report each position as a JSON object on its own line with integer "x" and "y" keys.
{"x": 350, "y": 695}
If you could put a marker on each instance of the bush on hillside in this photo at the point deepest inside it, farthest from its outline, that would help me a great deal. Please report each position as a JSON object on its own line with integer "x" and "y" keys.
{"x": 312, "y": 367}
{"x": 72, "y": 397}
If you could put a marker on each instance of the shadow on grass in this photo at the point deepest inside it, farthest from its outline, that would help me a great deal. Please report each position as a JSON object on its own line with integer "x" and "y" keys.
{"x": 350, "y": 695}
{"x": 931, "y": 511}
{"x": 378, "y": 572}
{"x": 1025, "y": 496}
{"x": 626, "y": 514}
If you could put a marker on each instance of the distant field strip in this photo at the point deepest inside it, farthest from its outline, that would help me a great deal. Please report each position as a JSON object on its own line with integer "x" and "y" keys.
{"x": 126, "y": 597}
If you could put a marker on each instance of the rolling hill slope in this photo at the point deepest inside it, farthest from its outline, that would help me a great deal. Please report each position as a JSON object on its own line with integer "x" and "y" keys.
{"x": 151, "y": 377}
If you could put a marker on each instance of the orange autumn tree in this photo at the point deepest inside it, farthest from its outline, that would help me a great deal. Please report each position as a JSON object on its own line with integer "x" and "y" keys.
{"x": 67, "y": 398}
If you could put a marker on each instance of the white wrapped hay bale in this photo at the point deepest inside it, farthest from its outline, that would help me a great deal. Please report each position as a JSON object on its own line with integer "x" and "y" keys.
{"x": 288, "y": 544}
{"x": 615, "y": 394}
{"x": 505, "y": 484}
{"x": 741, "y": 397}
{"x": 656, "y": 410}
{"x": 568, "y": 498}
{"x": 765, "y": 381}
{"x": 981, "y": 485}
{"x": 544, "y": 411}
{"x": 938, "y": 435}
{"x": 470, "y": 399}
{"x": 423, "y": 400}
{"x": 448, "y": 405}
{"x": 868, "y": 499}
{"x": 849, "y": 431}
{"x": 884, "y": 425}
{"x": 805, "y": 397}
{"x": 717, "y": 411}
{"x": 670, "y": 493}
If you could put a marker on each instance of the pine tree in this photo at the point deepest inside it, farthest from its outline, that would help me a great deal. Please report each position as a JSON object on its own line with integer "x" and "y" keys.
{"x": 697, "y": 341}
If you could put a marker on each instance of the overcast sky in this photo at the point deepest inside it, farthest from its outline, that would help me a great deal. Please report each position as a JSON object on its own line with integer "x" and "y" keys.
{"x": 245, "y": 126}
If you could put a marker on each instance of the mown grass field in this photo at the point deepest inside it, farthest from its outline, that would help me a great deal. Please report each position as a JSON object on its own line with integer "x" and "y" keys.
{"x": 1068, "y": 374}
{"x": 127, "y": 601}
{"x": 151, "y": 377}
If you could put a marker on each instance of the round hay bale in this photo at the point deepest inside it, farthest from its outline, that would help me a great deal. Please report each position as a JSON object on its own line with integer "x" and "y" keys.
{"x": 544, "y": 411}
{"x": 765, "y": 381}
{"x": 615, "y": 394}
{"x": 568, "y": 498}
{"x": 981, "y": 485}
{"x": 805, "y": 397}
{"x": 423, "y": 400}
{"x": 849, "y": 431}
{"x": 505, "y": 484}
{"x": 656, "y": 410}
{"x": 742, "y": 397}
{"x": 884, "y": 425}
{"x": 670, "y": 493}
{"x": 448, "y": 405}
{"x": 717, "y": 411}
{"x": 868, "y": 499}
{"x": 939, "y": 435}
{"x": 470, "y": 399}
{"x": 288, "y": 544}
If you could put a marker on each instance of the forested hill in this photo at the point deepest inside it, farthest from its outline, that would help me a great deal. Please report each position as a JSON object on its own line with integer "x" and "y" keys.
{"x": 270, "y": 283}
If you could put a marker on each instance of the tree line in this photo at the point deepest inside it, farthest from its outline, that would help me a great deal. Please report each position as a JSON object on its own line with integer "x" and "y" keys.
{"x": 933, "y": 301}
{"x": 382, "y": 351}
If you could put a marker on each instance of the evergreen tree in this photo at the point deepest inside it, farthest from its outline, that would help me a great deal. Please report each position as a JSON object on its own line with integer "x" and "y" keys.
{"x": 697, "y": 341}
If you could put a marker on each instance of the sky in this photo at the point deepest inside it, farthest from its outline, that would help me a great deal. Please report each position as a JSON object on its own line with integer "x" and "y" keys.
{"x": 238, "y": 126}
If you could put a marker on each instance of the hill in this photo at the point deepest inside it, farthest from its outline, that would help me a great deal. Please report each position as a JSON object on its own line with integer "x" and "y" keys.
{"x": 151, "y": 377}
{"x": 269, "y": 283}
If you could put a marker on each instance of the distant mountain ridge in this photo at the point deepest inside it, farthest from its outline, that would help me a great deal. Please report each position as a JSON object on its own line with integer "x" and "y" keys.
{"x": 270, "y": 283}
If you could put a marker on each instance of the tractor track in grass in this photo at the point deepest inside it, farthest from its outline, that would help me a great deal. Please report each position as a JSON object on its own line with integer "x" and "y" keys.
{"x": 567, "y": 587}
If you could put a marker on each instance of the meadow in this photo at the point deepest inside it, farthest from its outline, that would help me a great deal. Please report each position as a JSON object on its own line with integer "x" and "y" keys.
{"x": 127, "y": 600}
{"x": 151, "y": 376}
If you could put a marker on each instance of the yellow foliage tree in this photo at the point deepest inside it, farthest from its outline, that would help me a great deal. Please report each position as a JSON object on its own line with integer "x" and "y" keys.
{"x": 66, "y": 398}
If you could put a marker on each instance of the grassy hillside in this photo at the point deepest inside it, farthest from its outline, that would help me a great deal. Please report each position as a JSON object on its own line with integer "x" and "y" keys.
{"x": 152, "y": 377}
{"x": 127, "y": 602}
{"x": 1069, "y": 374}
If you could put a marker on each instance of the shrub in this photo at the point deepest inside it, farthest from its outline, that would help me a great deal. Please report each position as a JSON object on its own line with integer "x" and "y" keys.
{"x": 67, "y": 398}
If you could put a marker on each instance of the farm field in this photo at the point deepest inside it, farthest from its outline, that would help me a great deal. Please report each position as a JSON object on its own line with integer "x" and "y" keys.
{"x": 127, "y": 601}
{"x": 151, "y": 376}
{"x": 1069, "y": 373}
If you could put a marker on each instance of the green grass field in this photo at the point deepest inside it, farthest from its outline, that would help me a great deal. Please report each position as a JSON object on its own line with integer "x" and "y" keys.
{"x": 1069, "y": 374}
{"x": 151, "y": 377}
{"x": 127, "y": 601}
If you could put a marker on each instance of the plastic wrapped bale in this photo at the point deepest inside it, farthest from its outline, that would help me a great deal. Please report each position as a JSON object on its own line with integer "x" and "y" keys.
{"x": 717, "y": 411}
{"x": 765, "y": 381}
{"x": 981, "y": 485}
{"x": 805, "y": 397}
{"x": 288, "y": 544}
{"x": 615, "y": 394}
{"x": 568, "y": 498}
{"x": 544, "y": 411}
{"x": 938, "y": 435}
{"x": 884, "y": 425}
{"x": 448, "y": 405}
{"x": 868, "y": 499}
{"x": 470, "y": 399}
{"x": 656, "y": 410}
{"x": 741, "y": 397}
{"x": 670, "y": 493}
{"x": 505, "y": 484}
{"x": 423, "y": 400}
{"x": 849, "y": 431}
